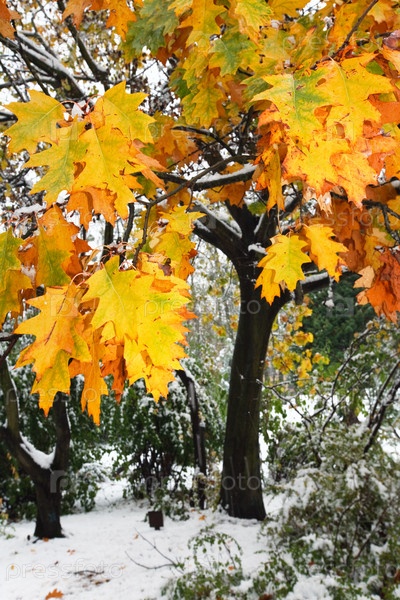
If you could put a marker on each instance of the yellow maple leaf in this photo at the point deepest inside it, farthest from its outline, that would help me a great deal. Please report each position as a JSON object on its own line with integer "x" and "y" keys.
{"x": 143, "y": 317}
{"x": 13, "y": 284}
{"x": 269, "y": 288}
{"x": 291, "y": 8}
{"x": 272, "y": 177}
{"x": 121, "y": 110}
{"x": 76, "y": 9}
{"x": 252, "y": 16}
{"x": 55, "y": 379}
{"x": 206, "y": 104}
{"x": 58, "y": 330}
{"x": 37, "y": 122}
{"x": 297, "y": 96}
{"x": 349, "y": 85}
{"x": 323, "y": 250}
{"x": 9, "y": 245}
{"x": 106, "y": 164}
{"x": 94, "y": 386}
{"x": 93, "y": 200}
{"x": 66, "y": 150}
{"x": 312, "y": 163}
{"x": 54, "y": 250}
{"x": 354, "y": 174}
{"x": 57, "y": 327}
{"x": 202, "y": 20}
{"x": 284, "y": 258}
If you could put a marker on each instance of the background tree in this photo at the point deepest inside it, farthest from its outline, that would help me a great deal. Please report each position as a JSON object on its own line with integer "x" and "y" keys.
{"x": 265, "y": 129}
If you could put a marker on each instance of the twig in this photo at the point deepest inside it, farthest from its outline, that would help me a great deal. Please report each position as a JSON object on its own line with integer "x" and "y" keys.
{"x": 170, "y": 562}
{"x": 348, "y": 36}
{"x": 355, "y": 27}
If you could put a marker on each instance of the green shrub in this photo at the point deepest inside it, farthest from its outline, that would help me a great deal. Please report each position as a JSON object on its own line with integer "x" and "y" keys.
{"x": 339, "y": 518}
{"x": 217, "y": 569}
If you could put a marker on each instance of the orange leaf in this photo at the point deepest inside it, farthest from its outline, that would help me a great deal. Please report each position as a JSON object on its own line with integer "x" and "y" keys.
{"x": 6, "y": 16}
{"x": 54, "y": 594}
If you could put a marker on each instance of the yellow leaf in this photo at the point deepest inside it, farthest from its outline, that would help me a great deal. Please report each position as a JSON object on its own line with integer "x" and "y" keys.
{"x": 94, "y": 386}
{"x": 323, "y": 250}
{"x": 291, "y": 8}
{"x": 119, "y": 298}
{"x": 297, "y": 96}
{"x": 313, "y": 164}
{"x": 66, "y": 150}
{"x": 270, "y": 289}
{"x": 13, "y": 284}
{"x": 205, "y": 106}
{"x": 273, "y": 178}
{"x": 120, "y": 13}
{"x": 285, "y": 258}
{"x": 350, "y": 84}
{"x": 202, "y": 20}
{"x": 121, "y": 110}
{"x": 252, "y": 15}
{"x": 76, "y": 8}
{"x": 54, "y": 250}
{"x": 55, "y": 379}
{"x": 8, "y": 254}
{"x": 57, "y": 328}
{"x": 137, "y": 311}
{"x": 354, "y": 174}
{"x": 37, "y": 122}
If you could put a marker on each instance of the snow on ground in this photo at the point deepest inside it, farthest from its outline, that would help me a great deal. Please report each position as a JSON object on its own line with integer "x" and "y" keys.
{"x": 97, "y": 558}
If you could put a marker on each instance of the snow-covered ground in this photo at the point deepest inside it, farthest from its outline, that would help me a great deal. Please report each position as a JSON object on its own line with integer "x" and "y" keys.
{"x": 98, "y": 559}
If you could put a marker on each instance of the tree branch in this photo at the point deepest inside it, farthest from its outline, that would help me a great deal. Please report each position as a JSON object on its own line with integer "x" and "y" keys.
{"x": 46, "y": 63}
{"x": 100, "y": 73}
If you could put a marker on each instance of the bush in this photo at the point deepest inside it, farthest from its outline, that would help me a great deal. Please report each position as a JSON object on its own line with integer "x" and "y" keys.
{"x": 339, "y": 518}
{"x": 218, "y": 569}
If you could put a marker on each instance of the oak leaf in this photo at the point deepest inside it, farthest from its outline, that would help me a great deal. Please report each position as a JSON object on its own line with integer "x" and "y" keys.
{"x": 202, "y": 20}
{"x": 58, "y": 330}
{"x": 323, "y": 249}
{"x": 54, "y": 250}
{"x": 54, "y": 594}
{"x": 282, "y": 264}
{"x": 6, "y": 16}
{"x": 252, "y": 16}
{"x": 350, "y": 84}
{"x": 13, "y": 285}
{"x": 297, "y": 96}
{"x": 66, "y": 150}
{"x": 119, "y": 17}
{"x": 37, "y": 122}
{"x": 8, "y": 253}
{"x": 120, "y": 109}
{"x": 94, "y": 385}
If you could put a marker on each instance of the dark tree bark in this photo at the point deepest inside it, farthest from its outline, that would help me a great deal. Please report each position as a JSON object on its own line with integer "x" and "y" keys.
{"x": 48, "y": 480}
{"x": 241, "y": 489}
{"x": 198, "y": 432}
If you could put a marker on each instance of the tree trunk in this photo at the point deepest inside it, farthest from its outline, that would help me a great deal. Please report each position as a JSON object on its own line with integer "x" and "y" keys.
{"x": 241, "y": 489}
{"x": 49, "y": 480}
{"x": 48, "y": 503}
{"x": 198, "y": 433}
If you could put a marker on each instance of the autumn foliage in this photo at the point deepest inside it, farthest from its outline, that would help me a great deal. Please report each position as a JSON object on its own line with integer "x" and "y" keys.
{"x": 320, "y": 87}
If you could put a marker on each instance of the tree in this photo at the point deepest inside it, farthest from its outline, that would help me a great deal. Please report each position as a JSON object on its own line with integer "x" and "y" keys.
{"x": 268, "y": 130}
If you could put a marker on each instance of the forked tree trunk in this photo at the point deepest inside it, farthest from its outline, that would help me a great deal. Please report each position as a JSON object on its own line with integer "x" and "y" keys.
{"x": 48, "y": 503}
{"x": 48, "y": 480}
{"x": 241, "y": 488}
